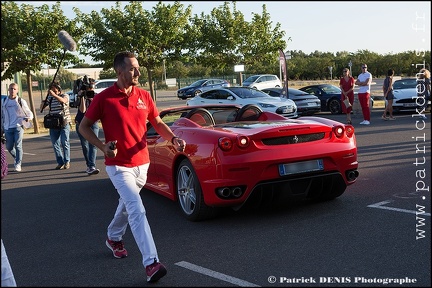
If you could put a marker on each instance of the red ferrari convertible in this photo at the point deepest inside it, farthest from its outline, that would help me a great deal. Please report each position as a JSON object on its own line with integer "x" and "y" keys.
{"x": 235, "y": 154}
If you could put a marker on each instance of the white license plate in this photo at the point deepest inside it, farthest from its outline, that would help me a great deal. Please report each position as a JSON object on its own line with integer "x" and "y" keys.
{"x": 301, "y": 167}
{"x": 409, "y": 104}
{"x": 287, "y": 110}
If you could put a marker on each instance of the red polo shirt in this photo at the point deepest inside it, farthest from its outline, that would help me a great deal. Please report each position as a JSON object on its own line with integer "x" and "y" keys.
{"x": 124, "y": 119}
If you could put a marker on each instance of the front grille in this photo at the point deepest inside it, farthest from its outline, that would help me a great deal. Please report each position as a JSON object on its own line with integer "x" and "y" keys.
{"x": 285, "y": 109}
{"x": 293, "y": 139}
{"x": 407, "y": 100}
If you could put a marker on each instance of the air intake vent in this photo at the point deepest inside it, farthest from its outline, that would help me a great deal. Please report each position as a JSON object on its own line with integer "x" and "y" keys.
{"x": 294, "y": 139}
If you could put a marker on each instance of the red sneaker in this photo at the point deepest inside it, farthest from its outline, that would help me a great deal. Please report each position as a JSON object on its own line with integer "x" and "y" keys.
{"x": 155, "y": 271}
{"x": 117, "y": 247}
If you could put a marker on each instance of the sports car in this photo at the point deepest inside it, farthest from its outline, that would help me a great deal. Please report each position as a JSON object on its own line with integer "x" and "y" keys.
{"x": 405, "y": 92}
{"x": 243, "y": 96}
{"x": 330, "y": 97}
{"x": 307, "y": 104}
{"x": 235, "y": 154}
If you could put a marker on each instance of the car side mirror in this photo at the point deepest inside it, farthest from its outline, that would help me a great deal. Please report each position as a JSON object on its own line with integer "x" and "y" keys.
{"x": 230, "y": 98}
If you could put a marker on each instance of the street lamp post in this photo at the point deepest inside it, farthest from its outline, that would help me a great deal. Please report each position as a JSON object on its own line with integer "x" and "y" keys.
{"x": 331, "y": 69}
{"x": 350, "y": 65}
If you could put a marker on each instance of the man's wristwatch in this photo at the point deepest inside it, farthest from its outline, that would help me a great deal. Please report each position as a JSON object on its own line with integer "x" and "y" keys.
{"x": 172, "y": 139}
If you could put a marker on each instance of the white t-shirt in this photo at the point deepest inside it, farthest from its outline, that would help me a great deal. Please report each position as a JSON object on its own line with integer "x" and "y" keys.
{"x": 362, "y": 77}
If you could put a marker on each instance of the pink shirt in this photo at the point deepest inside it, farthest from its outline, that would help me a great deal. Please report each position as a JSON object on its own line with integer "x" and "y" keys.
{"x": 124, "y": 119}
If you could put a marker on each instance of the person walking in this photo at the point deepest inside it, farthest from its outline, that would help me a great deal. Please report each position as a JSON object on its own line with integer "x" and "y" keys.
{"x": 346, "y": 84}
{"x": 364, "y": 81}
{"x": 59, "y": 103}
{"x": 388, "y": 95}
{"x": 15, "y": 116}
{"x": 89, "y": 150}
{"x": 123, "y": 110}
{"x": 425, "y": 89}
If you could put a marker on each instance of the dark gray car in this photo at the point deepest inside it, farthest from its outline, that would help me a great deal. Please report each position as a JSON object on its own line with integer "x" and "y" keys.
{"x": 307, "y": 104}
{"x": 200, "y": 86}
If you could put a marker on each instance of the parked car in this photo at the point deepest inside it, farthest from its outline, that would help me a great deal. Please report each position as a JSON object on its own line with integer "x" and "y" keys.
{"x": 330, "y": 96}
{"x": 72, "y": 98}
{"x": 262, "y": 81}
{"x": 243, "y": 96}
{"x": 405, "y": 92}
{"x": 237, "y": 155}
{"x": 102, "y": 84}
{"x": 200, "y": 86}
{"x": 307, "y": 104}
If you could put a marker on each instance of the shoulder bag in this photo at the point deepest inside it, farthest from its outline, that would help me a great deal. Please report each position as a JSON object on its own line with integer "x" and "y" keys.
{"x": 55, "y": 120}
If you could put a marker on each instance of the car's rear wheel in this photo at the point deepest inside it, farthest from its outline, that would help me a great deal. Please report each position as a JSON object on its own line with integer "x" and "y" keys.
{"x": 197, "y": 92}
{"x": 335, "y": 106}
{"x": 189, "y": 194}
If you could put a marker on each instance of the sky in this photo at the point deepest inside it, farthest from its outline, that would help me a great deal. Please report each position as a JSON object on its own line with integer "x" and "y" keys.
{"x": 324, "y": 26}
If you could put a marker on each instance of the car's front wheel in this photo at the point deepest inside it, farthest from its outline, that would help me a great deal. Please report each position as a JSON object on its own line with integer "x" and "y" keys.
{"x": 335, "y": 106}
{"x": 190, "y": 195}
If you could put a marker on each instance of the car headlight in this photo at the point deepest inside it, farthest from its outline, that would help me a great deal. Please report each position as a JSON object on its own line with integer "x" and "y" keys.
{"x": 266, "y": 105}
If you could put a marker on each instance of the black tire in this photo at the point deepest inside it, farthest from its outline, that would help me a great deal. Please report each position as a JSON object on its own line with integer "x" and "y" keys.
{"x": 197, "y": 92}
{"x": 189, "y": 194}
{"x": 248, "y": 112}
{"x": 334, "y": 106}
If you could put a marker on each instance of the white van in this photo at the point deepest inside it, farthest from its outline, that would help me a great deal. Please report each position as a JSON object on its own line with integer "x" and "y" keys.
{"x": 262, "y": 81}
{"x": 100, "y": 85}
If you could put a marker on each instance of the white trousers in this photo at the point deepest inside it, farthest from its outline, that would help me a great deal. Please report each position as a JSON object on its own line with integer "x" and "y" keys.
{"x": 7, "y": 276}
{"x": 130, "y": 210}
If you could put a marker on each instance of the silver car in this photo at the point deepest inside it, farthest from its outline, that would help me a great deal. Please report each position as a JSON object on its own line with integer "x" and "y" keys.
{"x": 243, "y": 96}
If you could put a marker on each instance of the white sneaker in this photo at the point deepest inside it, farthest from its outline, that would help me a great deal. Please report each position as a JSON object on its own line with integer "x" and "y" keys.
{"x": 366, "y": 122}
{"x": 363, "y": 122}
{"x": 92, "y": 170}
{"x": 18, "y": 167}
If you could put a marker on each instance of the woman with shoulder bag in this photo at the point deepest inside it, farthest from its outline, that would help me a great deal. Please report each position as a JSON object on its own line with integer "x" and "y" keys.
{"x": 59, "y": 103}
{"x": 346, "y": 84}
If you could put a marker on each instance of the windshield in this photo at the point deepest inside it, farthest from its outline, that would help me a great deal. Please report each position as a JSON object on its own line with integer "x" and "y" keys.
{"x": 247, "y": 93}
{"x": 330, "y": 89}
{"x": 405, "y": 84}
{"x": 252, "y": 78}
{"x": 198, "y": 83}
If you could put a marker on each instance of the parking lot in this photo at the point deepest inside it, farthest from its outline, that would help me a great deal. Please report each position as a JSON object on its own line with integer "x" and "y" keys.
{"x": 54, "y": 225}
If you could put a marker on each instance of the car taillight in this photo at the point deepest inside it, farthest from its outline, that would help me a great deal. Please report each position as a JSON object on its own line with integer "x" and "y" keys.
{"x": 349, "y": 130}
{"x": 243, "y": 141}
{"x": 340, "y": 130}
{"x": 226, "y": 143}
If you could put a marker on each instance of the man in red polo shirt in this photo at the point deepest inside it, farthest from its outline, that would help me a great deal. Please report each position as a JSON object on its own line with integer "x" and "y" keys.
{"x": 123, "y": 110}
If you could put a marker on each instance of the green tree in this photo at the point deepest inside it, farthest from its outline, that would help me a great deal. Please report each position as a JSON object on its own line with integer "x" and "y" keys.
{"x": 29, "y": 39}
{"x": 152, "y": 35}
{"x": 217, "y": 37}
{"x": 261, "y": 43}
